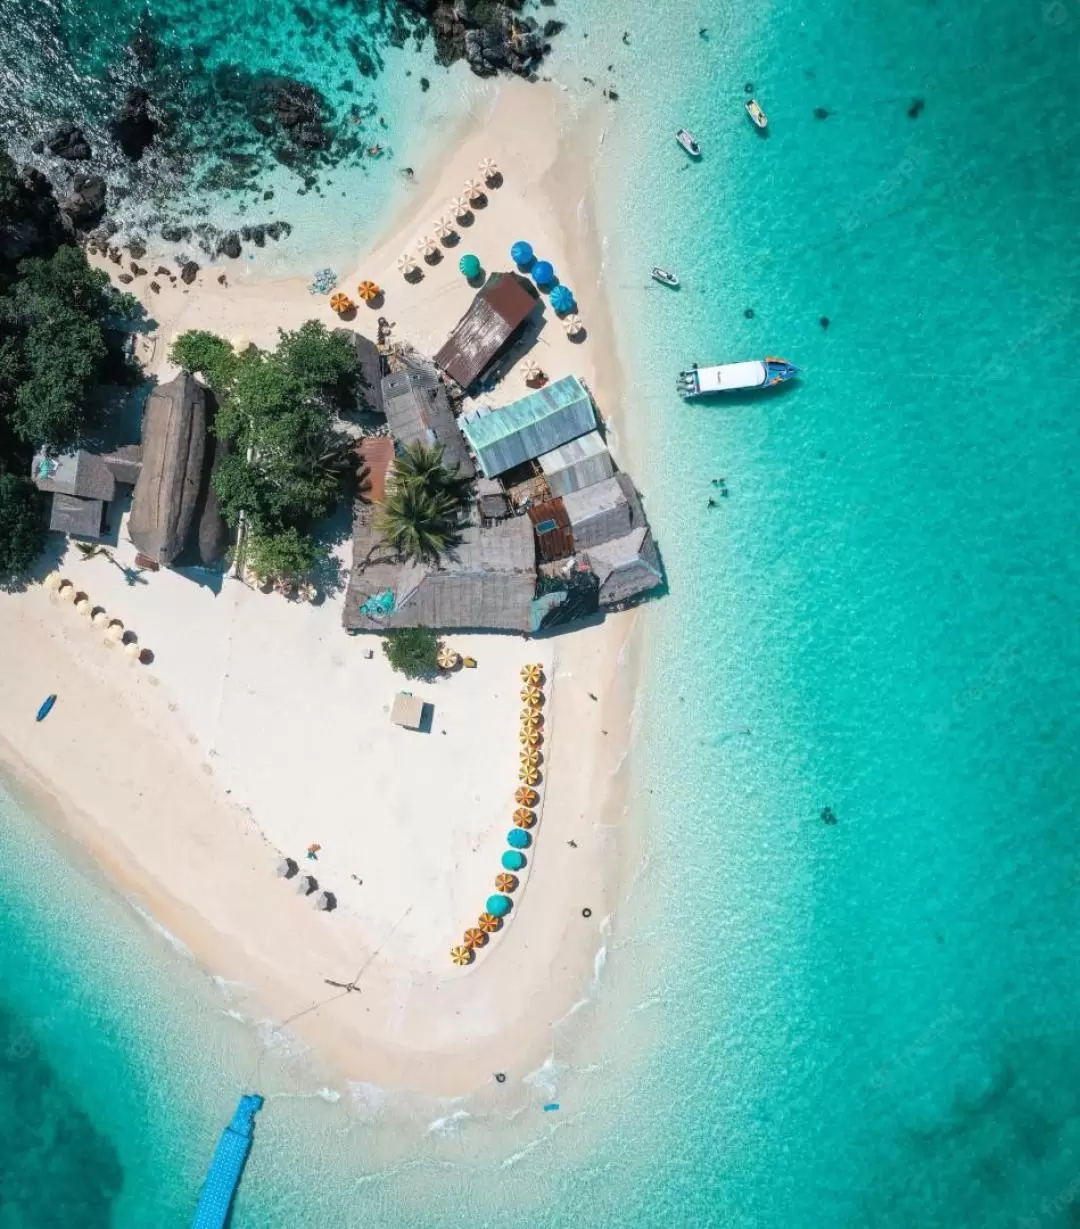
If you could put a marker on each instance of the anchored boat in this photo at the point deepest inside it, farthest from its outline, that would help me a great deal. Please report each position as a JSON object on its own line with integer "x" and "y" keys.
{"x": 686, "y": 140}
{"x": 760, "y": 119}
{"x": 663, "y": 276}
{"x": 227, "y": 1166}
{"x": 729, "y": 377}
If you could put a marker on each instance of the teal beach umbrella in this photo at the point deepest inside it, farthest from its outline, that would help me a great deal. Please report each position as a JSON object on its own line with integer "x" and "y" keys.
{"x": 518, "y": 838}
{"x": 513, "y": 860}
{"x": 469, "y": 265}
{"x": 498, "y": 905}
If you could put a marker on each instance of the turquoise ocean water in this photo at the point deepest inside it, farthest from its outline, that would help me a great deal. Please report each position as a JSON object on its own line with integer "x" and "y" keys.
{"x": 799, "y": 1023}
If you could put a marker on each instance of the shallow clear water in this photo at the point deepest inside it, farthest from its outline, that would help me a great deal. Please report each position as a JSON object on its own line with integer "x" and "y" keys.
{"x": 799, "y": 1023}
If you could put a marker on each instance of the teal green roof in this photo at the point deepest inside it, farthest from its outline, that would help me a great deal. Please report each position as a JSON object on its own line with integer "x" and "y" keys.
{"x": 528, "y": 428}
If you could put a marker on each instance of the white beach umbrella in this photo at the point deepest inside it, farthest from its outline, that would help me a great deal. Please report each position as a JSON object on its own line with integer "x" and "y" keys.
{"x": 322, "y": 901}
{"x": 133, "y": 650}
{"x": 100, "y": 618}
{"x": 488, "y": 168}
{"x": 427, "y": 246}
{"x": 473, "y": 189}
{"x": 444, "y": 228}
{"x": 67, "y": 592}
{"x": 461, "y": 206}
{"x": 84, "y": 608}
{"x": 53, "y": 581}
{"x": 114, "y": 633}
{"x": 285, "y": 868}
{"x": 531, "y": 369}
{"x": 406, "y": 264}
{"x": 573, "y": 325}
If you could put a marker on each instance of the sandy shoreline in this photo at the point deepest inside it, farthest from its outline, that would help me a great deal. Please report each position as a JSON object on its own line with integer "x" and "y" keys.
{"x": 260, "y": 726}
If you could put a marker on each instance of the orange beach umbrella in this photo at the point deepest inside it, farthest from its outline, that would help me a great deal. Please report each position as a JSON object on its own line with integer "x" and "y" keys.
{"x": 526, "y": 796}
{"x": 505, "y": 883}
{"x": 488, "y": 923}
{"x": 340, "y": 302}
{"x": 475, "y": 937}
{"x": 368, "y": 290}
{"x": 524, "y": 818}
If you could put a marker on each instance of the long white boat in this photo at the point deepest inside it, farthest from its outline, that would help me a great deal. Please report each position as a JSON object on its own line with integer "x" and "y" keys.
{"x": 730, "y": 377}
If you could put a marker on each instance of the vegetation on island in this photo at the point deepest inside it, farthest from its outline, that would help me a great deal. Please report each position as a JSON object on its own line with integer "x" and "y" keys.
{"x": 289, "y": 462}
{"x": 425, "y": 500}
{"x": 412, "y": 651}
{"x": 55, "y": 319}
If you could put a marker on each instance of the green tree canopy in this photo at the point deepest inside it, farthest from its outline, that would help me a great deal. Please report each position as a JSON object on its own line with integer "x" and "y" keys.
{"x": 289, "y": 555}
{"x": 413, "y": 651}
{"x": 22, "y": 530}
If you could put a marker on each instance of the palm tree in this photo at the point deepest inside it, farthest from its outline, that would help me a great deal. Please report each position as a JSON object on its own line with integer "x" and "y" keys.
{"x": 418, "y": 523}
{"x": 422, "y": 464}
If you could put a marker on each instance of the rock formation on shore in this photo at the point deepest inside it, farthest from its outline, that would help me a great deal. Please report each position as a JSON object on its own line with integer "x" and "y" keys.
{"x": 492, "y": 36}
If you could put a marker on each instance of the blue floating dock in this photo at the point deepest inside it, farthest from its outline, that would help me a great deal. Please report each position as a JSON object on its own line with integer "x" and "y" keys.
{"x": 227, "y": 1166}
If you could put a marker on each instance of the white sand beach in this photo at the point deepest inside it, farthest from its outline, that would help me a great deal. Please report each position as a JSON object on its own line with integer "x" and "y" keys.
{"x": 260, "y": 727}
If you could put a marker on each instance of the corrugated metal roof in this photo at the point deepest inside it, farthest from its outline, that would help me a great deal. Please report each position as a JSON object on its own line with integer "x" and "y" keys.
{"x": 599, "y": 512}
{"x": 528, "y": 428}
{"x": 497, "y": 311}
{"x": 376, "y": 453}
{"x": 417, "y": 407}
{"x": 577, "y": 464}
{"x": 626, "y": 567}
{"x": 79, "y": 517}
{"x": 554, "y": 537}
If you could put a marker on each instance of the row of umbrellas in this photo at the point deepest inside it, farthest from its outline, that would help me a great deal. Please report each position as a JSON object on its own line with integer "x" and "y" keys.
{"x": 519, "y": 837}
{"x": 561, "y": 297}
{"x": 306, "y": 885}
{"x": 115, "y": 632}
{"x": 368, "y": 291}
{"x": 446, "y": 226}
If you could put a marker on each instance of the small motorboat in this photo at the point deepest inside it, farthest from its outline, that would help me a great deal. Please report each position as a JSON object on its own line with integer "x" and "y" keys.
{"x": 46, "y": 707}
{"x": 665, "y": 277}
{"x": 759, "y": 118}
{"x": 686, "y": 140}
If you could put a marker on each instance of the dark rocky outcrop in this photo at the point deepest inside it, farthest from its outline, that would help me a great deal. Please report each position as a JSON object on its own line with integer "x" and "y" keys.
{"x": 298, "y": 108}
{"x": 67, "y": 141}
{"x": 135, "y": 125}
{"x": 30, "y": 220}
{"x": 229, "y": 245}
{"x": 493, "y": 37}
{"x": 85, "y": 203}
{"x": 188, "y": 272}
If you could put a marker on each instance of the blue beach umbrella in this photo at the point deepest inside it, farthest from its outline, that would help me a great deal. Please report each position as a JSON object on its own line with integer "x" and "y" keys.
{"x": 562, "y": 299}
{"x": 543, "y": 273}
{"x": 521, "y": 253}
{"x": 518, "y": 838}
{"x": 513, "y": 860}
{"x": 498, "y": 905}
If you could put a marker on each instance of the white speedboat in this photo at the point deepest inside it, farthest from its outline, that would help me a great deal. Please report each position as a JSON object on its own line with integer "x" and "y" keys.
{"x": 730, "y": 377}
{"x": 759, "y": 118}
{"x": 664, "y": 276}
{"x": 686, "y": 140}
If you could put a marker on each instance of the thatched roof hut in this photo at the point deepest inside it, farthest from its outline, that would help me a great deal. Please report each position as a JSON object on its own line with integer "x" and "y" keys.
{"x": 173, "y": 452}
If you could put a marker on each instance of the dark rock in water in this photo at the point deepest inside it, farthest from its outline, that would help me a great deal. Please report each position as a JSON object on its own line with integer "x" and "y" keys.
{"x": 611, "y": 95}
{"x": 820, "y": 113}
{"x": 66, "y": 141}
{"x": 551, "y": 28}
{"x": 155, "y": 287}
{"x": 312, "y": 136}
{"x": 143, "y": 46}
{"x": 258, "y": 236}
{"x": 30, "y": 219}
{"x": 229, "y": 245}
{"x": 38, "y": 147}
{"x": 188, "y": 272}
{"x": 172, "y": 234}
{"x": 137, "y": 248}
{"x": 828, "y": 815}
{"x": 305, "y": 16}
{"x": 126, "y": 278}
{"x": 278, "y": 230}
{"x": 824, "y": 322}
{"x": 135, "y": 126}
{"x": 492, "y": 36}
{"x": 245, "y": 233}
{"x": 425, "y": 84}
{"x": 85, "y": 203}
{"x": 749, "y": 313}
{"x": 916, "y": 108}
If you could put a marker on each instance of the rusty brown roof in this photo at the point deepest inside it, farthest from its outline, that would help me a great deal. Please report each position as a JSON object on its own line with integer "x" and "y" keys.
{"x": 497, "y": 311}
{"x": 376, "y": 453}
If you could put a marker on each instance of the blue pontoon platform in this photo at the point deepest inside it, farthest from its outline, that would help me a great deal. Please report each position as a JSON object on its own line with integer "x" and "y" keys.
{"x": 227, "y": 1166}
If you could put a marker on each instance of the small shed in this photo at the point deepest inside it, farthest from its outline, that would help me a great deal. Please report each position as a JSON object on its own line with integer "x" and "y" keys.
{"x": 79, "y": 518}
{"x": 578, "y": 464}
{"x": 599, "y": 513}
{"x": 625, "y": 568}
{"x": 408, "y": 710}
{"x": 497, "y": 314}
{"x": 528, "y": 428}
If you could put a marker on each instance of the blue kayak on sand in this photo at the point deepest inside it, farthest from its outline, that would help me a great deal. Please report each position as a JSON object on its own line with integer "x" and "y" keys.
{"x": 46, "y": 708}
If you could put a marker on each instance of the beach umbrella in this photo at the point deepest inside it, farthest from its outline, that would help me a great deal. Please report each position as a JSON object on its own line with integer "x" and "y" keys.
{"x": 322, "y": 901}
{"x": 488, "y": 168}
{"x": 529, "y": 758}
{"x": 461, "y": 206}
{"x": 531, "y": 370}
{"x": 427, "y": 246}
{"x": 447, "y": 659}
{"x": 133, "y": 649}
{"x": 100, "y": 618}
{"x": 529, "y": 738}
{"x": 529, "y": 775}
{"x": 473, "y": 189}
{"x": 488, "y": 923}
{"x": 562, "y": 299}
{"x": 241, "y": 343}
{"x": 305, "y": 885}
{"x": 67, "y": 592}
{"x": 524, "y": 818}
{"x": 500, "y": 906}
{"x": 532, "y": 716}
{"x": 406, "y": 264}
{"x": 505, "y": 882}
{"x": 444, "y": 228}
{"x": 573, "y": 325}
{"x": 531, "y": 694}
{"x": 543, "y": 273}
{"x": 340, "y": 302}
{"x": 461, "y": 955}
{"x": 513, "y": 860}
{"x": 518, "y": 838}
{"x": 526, "y": 796}
{"x": 368, "y": 290}
{"x": 521, "y": 253}
{"x": 83, "y": 607}
{"x": 285, "y": 868}
{"x": 531, "y": 674}
{"x": 474, "y": 937}
{"x": 114, "y": 633}
{"x": 53, "y": 581}
{"x": 469, "y": 265}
